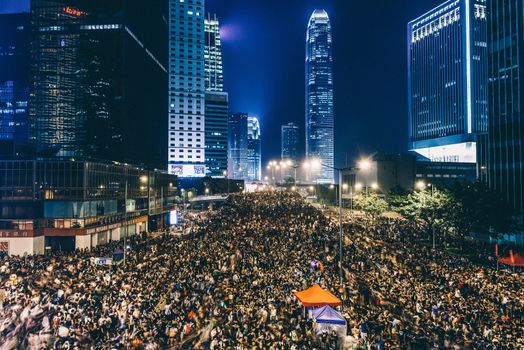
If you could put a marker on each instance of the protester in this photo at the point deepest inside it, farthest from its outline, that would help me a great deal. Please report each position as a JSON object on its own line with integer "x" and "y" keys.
{"x": 229, "y": 284}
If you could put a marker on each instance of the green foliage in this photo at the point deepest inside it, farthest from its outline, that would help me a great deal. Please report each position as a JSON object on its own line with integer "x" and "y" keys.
{"x": 460, "y": 209}
{"x": 371, "y": 204}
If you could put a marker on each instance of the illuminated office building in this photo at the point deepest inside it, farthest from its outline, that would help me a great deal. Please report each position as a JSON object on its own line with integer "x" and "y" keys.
{"x": 90, "y": 64}
{"x": 447, "y": 81}
{"x": 502, "y": 156}
{"x": 238, "y": 146}
{"x": 319, "y": 95}
{"x": 254, "y": 149}
{"x": 213, "y": 56}
{"x": 14, "y": 79}
{"x": 186, "y": 88}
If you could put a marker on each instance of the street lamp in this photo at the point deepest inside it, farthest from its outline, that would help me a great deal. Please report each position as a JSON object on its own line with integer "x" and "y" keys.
{"x": 227, "y": 178}
{"x": 374, "y": 186}
{"x": 317, "y": 163}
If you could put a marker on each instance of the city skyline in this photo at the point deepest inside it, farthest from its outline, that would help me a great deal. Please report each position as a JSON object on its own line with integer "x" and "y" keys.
{"x": 368, "y": 117}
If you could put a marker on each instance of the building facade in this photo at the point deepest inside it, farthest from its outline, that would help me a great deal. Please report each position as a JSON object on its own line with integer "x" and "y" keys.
{"x": 90, "y": 62}
{"x": 502, "y": 164}
{"x": 320, "y": 133}
{"x": 254, "y": 149}
{"x": 186, "y": 88}
{"x": 67, "y": 205}
{"x": 217, "y": 114}
{"x": 216, "y": 103}
{"x": 213, "y": 56}
{"x": 447, "y": 80}
{"x": 290, "y": 139}
{"x": 14, "y": 81}
{"x": 238, "y": 146}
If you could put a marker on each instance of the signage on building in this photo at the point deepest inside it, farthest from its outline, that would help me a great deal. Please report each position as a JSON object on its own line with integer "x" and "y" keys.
{"x": 74, "y": 12}
{"x": 187, "y": 170}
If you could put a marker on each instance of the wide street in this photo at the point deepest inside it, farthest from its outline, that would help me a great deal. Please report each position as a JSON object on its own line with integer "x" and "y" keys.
{"x": 229, "y": 285}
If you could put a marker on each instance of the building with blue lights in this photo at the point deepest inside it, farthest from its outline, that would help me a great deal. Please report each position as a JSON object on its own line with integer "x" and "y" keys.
{"x": 447, "y": 81}
{"x": 289, "y": 146}
{"x": 216, "y": 103}
{"x": 254, "y": 150}
{"x": 238, "y": 146}
{"x": 187, "y": 89}
{"x": 90, "y": 64}
{"x": 217, "y": 114}
{"x": 213, "y": 55}
{"x": 15, "y": 75}
{"x": 320, "y": 122}
{"x": 502, "y": 149}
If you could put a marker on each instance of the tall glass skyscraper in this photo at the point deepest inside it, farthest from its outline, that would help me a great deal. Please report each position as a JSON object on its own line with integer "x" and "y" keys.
{"x": 217, "y": 106}
{"x": 319, "y": 95}
{"x": 447, "y": 80}
{"x": 14, "y": 78}
{"x": 187, "y": 88}
{"x": 213, "y": 56}
{"x": 217, "y": 114}
{"x": 254, "y": 149}
{"x": 503, "y": 156}
{"x": 289, "y": 142}
{"x": 238, "y": 146}
{"x": 91, "y": 62}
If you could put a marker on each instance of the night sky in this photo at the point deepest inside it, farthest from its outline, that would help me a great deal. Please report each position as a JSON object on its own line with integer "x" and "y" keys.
{"x": 264, "y": 54}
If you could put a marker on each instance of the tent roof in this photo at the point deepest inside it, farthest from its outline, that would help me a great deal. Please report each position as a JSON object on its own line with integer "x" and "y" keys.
{"x": 518, "y": 260}
{"x": 316, "y": 296}
{"x": 327, "y": 315}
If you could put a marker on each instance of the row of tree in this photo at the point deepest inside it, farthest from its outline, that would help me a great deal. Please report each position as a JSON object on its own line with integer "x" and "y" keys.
{"x": 458, "y": 210}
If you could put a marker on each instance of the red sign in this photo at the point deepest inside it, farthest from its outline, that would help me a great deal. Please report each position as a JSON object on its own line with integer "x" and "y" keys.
{"x": 74, "y": 12}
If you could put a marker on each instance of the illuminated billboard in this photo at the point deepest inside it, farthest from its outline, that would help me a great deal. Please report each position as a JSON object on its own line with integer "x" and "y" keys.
{"x": 188, "y": 170}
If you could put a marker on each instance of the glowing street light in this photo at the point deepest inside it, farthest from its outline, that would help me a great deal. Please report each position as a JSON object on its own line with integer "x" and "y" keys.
{"x": 364, "y": 164}
{"x": 345, "y": 186}
{"x": 358, "y": 186}
{"x": 421, "y": 185}
{"x": 374, "y": 186}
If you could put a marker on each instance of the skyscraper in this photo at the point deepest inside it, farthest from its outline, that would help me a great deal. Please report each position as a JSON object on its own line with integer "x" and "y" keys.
{"x": 213, "y": 56}
{"x": 90, "y": 64}
{"x": 319, "y": 95}
{"x": 14, "y": 79}
{"x": 186, "y": 88}
{"x": 504, "y": 157}
{"x": 217, "y": 107}
{"x": 238, "y": 146}
{"x": 447, "y": 80}
{"x": 254, "y": 149}
{"x": 290, "y": 142}
{"x": 217, "y": 113}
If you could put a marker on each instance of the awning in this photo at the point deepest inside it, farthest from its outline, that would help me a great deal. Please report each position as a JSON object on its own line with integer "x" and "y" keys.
{"x": 326, "y": 314}
{"x": 514, "y": 259}
{"x": 316, "y": 296}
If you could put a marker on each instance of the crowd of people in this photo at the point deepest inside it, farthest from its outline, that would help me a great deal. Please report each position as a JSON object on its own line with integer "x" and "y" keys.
{"x": 229, "y": 284}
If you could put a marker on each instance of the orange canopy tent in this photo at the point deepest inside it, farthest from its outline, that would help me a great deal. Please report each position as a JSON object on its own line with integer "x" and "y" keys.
{"x": 514, "y": 259}
{"x": 316, "y": 296}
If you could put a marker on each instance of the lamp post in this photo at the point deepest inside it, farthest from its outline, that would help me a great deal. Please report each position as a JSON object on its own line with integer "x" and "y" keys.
{"x": 341, "y": 234}
{"x": 227, "y": 178}
{"x": 421, "y": 185}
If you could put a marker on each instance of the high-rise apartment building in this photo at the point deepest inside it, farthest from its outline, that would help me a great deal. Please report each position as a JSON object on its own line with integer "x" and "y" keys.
{"x": 290, "y": 142}
{"x": 320, "y": 133}
{"x": 238, "y": 146}
{"x": 186, "y": 88}
{"x": 14, "y": 80}
{"x": 447, "y": 80}
{"x": 254, "y": 149}
{"x": 502, "y": 156}
{"x": 213, "y": 55}
{"x": 95, "y": 66}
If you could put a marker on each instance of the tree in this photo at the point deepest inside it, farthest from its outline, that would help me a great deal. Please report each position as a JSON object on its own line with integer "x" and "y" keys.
{"x": 371, "y": 204}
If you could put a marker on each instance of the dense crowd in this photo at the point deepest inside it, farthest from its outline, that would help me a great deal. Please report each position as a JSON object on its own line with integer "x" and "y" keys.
{"x": 229, "y": 284}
